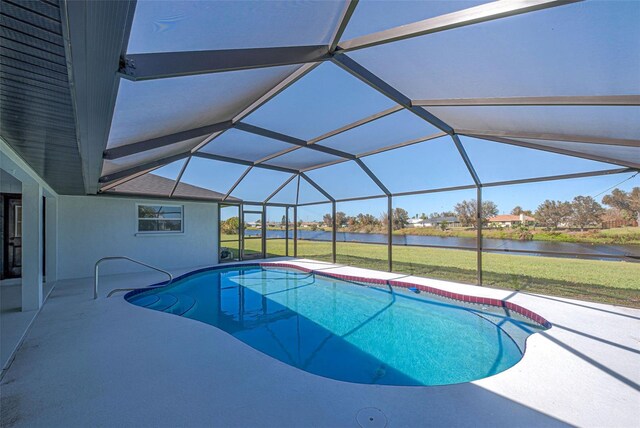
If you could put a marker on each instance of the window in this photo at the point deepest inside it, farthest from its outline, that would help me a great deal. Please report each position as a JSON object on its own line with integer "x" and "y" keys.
{"x": 159, "y": 218}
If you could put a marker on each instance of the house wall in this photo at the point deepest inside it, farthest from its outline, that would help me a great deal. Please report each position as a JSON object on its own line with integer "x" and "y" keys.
{"x": 93, "y": 227}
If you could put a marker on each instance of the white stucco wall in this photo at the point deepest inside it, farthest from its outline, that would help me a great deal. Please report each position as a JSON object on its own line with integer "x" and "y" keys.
{"x": 93, "y": 227}
{"x": 9, "y": 184}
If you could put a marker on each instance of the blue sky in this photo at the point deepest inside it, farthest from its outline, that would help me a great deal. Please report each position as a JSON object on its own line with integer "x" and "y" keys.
{"x": 529, "y": 196}
{"x": 582, "y": 49}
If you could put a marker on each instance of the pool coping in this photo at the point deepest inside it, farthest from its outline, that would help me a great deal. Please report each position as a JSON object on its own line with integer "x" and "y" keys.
{"x": 464, "y": 298}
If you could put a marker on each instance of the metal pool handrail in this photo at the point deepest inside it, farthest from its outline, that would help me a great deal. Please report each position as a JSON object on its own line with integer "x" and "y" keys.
{"x": 95, "y": 273}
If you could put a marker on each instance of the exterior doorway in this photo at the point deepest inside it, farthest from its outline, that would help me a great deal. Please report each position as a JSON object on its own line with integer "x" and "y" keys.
{"x": 12, "y": 231}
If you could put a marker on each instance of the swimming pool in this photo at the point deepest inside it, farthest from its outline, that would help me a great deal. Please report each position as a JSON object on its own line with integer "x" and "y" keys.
{"x": 348, "y": 330}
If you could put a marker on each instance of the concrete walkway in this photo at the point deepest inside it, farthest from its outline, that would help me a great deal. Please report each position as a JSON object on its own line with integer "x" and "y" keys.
{"x": 108, "y": 363}
{"x": 13, "y": 321}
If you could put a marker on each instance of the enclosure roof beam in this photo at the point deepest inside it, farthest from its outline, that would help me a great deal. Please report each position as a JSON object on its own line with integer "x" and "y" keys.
{"x": 604, "y": 100}
{"x": 465, "y": 158}
{"x": 403, "y": 144}
{"x": 275, "y": 155}
{"x": 159, "y": 65}
{"x": 244, "y": 162}
{"x": 355, "y": 124}
{"x": 179, "y": 177}
{"x": 461, "y": 18}
{"x": 333, "y": 133}
{"x": 492, "y": 184}
{"x": 373, "y": 177}
{"x": 281, "y": 86}
{"x": 558, "y": 150}
{"x": 357, "y": 70}
{"x": 380, "y": 150}
{"x": 560, "y": 177}
{"x": 438, "y": 190}
{"x": 124, "y": 180}
{"x": 291, "y": 140}
{"x": 154, "y": 143}
{"x": 244, "y": 174}
{"x": 142, "y": 167}
{"x": 269, "y": 134}
{"x": 359, "y": 198}
{"x": 282, "y": 186}
{"x": 344, "y": 21}
{"x": 551, "y": 137}
{"x": 317, "y": 187}
{"x": 322, "y": 165}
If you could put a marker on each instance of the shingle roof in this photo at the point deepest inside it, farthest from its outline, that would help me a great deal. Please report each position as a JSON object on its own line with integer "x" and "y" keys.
{"x": 151, "y": 184}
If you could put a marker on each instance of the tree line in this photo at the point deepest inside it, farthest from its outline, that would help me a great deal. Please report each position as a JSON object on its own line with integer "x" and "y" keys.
{"x": 585, "y": 211}
{"x": 368, "y": 222}
{"x": 581, "y": 212}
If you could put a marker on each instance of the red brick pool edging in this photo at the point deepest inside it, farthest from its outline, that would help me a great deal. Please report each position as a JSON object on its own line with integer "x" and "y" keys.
{"x": 442, "y": 293}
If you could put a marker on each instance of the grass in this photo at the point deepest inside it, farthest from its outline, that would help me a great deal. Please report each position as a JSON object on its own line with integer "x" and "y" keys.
{"x": 610, "y": 282}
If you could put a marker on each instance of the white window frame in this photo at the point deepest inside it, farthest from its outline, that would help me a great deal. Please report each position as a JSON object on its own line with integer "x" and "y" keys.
{"x": 158, "y": 232}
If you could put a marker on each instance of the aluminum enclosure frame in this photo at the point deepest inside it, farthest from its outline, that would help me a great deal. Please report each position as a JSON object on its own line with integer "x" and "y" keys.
{"x": 157, "y": 66}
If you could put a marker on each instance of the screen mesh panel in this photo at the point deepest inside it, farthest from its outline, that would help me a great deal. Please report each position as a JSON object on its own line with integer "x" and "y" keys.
{"x": 428, "y": 165}
{"x": 345, "y": 180}
{"x": 286, "y": 195}
{"x": 171, "y": 170}
{"x": 587, "y": 48}
{"x": 373, "y": 16}
{"x": 154, "y": 108}
{"x": 393, "y": 129}
{"x": 309, "y": 194}
{"x": 623, "y": 154}
{"x": 582, "y": 121}
{"x": 499, "y": 162}
{"x": 323, "y": 100}
{"x": 212, "y": 175}
{"x": 303, "y": 158}
{"x": 258, "y": 184}
{"x": 164, "y": 26}
{"x": 243, "y": 145}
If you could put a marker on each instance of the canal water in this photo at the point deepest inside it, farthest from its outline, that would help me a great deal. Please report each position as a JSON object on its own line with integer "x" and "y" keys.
{"x": 447, "y": 241}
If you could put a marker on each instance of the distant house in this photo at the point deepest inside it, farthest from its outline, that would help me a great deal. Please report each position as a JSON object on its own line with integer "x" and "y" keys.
{"x": 509, "y": 220}
{"x": 416, "y": 222}
{"x": 451, "y": 221}
{"x": 434, "y": 222}
{"x": 309, "y": 224}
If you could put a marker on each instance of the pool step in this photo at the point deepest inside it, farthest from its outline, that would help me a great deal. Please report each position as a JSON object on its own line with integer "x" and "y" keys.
{"x": 182, "y": 305}
{"x": 164, "y": 302}
{"x": 144, "y": 300}
{"x": 177, "y": 304}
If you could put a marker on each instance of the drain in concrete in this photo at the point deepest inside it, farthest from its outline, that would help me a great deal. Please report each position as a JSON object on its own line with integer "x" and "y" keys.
{"x": 370, "y": 417}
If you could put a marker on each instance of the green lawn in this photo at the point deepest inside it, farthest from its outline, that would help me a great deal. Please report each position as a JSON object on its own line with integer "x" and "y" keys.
{"x": 595, "y": 280}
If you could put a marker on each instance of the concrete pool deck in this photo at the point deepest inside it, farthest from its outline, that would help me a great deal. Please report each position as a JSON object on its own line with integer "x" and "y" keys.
{"x": 106, "y": 362}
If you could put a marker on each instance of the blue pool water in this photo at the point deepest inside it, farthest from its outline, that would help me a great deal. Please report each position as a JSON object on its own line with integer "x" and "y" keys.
{"x": 348, "y": 331}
